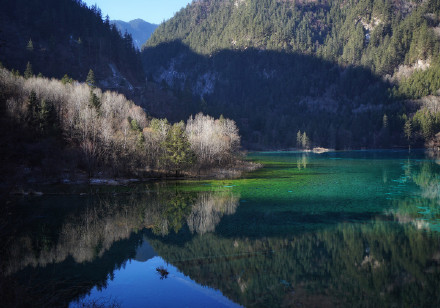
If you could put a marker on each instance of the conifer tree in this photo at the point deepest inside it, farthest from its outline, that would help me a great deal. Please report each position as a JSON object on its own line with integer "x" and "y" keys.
{"x": 66, "y": 79}
{"x": 28, "y": 73}
{"x": 91, "y": 79}
{"x": 30, "y": 45}
{"x": 178, "y": 150}
{"x": 408, "y": 132}
{"x": 95, "y": 102}
{"x": 32, "y": 109}
{"x": 385, "y": 121}
{"x": 43, "y": 116}
{"x": 305, "y": 142}
{"x": 298, "y": 139}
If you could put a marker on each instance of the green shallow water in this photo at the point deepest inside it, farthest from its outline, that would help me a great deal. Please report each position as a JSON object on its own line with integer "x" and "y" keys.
{"x": 307, "y": 230}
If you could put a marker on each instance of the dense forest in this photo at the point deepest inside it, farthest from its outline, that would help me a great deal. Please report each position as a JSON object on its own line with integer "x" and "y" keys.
{"x": 52, "y": 129}
{"x": 61, "y": 37}
{"x": 349, "y": 74}
{"x": 57, "y": 123}
{"x": 378, "y": 34}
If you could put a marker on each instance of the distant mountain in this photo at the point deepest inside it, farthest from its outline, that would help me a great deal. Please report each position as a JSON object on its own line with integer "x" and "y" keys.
{"x": 139, "y": 29}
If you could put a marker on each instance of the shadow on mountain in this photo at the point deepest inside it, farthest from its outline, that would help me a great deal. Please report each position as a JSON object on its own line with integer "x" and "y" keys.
{"x": 274, "y": 94}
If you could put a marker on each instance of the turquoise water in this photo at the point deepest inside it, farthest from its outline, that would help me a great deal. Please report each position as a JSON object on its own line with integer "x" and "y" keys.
{"x": 307, "y": 230}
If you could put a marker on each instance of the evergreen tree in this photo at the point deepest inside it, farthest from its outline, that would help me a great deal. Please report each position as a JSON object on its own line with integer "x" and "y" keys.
{"x": 66, "y": 80}
{"x": 178, "y": 154}
{"x": 28, "y": 73}
{"x": 299, "y": 139}
{"x": 91, "y": 79}
{"x": 305, "y": 142}
{"x": 32, "y": 109}
{"x": 408, "y": 132}
{"x": 385, "y": 121}
{"x": 94, "y": 101}
{"x": 30, "y": 45}
{"x": 43, "y": 117}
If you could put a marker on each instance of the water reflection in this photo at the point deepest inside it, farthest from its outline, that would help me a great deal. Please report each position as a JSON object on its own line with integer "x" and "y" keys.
{"x": 209, "y": 209}
{"x": 89, "y": 232}
{"x": 422, "y": 209}
{"x": 321, "y": 245}
{"x": 95, "y": 238}
{"x": 377, "y": 264}
{"x": 302, "y": 161}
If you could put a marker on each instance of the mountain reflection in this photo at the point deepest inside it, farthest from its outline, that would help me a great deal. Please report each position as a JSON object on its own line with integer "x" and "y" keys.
{"x": 90, "y": 231}
{"x": 380, "y": 262}
{"x": 423, "y": 209}
{"x": 373, "y": 265}
{"x": 100, "y": 229}
{"x": 69, "y": 245}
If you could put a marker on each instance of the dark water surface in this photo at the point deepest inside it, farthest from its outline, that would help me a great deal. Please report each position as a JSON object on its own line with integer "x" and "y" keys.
{"x": 337, "y": 229}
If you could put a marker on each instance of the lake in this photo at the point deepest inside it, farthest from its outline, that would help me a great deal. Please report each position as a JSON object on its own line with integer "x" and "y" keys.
{"x": 338, "y": 229}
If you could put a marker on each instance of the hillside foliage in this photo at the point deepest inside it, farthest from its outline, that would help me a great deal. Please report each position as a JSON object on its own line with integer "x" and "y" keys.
{"x": 53, "y": 127}
{"x": 325, "y": 68}
{"x": 64, "y": 37}
{"x": 379, "y": 34}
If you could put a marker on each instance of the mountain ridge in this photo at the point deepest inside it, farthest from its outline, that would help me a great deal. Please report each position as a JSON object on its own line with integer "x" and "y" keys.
{"x": 139, "y": 29}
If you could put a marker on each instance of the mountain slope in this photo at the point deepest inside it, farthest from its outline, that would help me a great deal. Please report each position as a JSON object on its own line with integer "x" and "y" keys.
{"x": 62, "y": 37}
{"x": 331, "y": 69}
{"x": 139, "y": 29}
{"x": 379, "y": 34}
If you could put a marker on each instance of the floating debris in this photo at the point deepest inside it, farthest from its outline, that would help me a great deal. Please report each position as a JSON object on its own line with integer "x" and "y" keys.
{"x": 162, "y": 272}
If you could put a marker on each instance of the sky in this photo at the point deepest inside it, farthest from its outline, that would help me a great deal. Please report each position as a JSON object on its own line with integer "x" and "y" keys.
{"x": 152, "y": 11}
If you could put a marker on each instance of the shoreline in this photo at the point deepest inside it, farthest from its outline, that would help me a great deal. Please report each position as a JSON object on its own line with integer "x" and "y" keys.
{"x": 32, "y": 186}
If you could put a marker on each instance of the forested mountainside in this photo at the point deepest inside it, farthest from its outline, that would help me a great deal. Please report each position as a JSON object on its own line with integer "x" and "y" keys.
{"x": 139, "y": 29}
{"x": 350, "y": 74}
{"x": 59, "y": 37}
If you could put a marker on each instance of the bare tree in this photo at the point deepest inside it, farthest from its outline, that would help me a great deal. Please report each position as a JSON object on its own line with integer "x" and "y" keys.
{"x": 213, "y": 141}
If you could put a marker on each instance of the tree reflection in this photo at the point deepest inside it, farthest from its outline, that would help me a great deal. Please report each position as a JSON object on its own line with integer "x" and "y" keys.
{"x": 423, "y": 209}
{"x": 382, "y": 260}
{"x": 377, "y": 264}
{"x": 209, "y": 209}
{"x": 88, "y": 233}
{"x": 46, "y": 252}
{"x": 302, "y": 162}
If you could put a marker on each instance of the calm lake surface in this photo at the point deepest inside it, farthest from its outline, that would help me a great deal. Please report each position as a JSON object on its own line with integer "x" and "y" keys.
{"x": 338, "y": 229}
